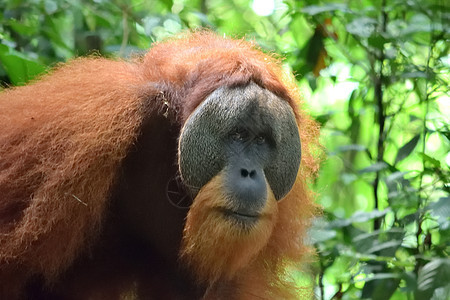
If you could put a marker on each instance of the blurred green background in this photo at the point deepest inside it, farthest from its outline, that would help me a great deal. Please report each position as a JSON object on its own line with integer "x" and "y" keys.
{"x": 375, "y": 74}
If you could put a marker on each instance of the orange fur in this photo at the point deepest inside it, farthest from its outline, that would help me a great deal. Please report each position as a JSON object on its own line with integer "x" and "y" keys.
{"x": 58, "y": 161}
{"x": 253, "y": 263}
{"x": 233, "y": 247}
{"x": 63, "y": 139}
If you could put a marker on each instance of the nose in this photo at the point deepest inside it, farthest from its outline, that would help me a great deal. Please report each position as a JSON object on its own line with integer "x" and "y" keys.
{"x": 247, "y": 187}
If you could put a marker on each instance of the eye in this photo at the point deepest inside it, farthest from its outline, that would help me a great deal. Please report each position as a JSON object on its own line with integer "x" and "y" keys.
{"x": 240, "y": 135}
{"x": 260, "y": 139}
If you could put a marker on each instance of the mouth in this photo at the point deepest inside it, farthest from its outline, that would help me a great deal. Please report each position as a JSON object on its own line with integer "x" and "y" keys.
{"x": 242, "y": 217}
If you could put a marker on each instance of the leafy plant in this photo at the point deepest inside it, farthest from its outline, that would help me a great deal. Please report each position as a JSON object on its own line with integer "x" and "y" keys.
{"x": 388, "y": 151}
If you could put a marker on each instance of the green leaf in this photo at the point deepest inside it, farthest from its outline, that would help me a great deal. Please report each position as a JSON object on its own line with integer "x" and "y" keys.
{"x": 362, "y": 216}
{"x": 415, "y": 74}
{"x": 378, "y": 242}
{"x": 419, "y": 23}
{"x": 377, "y": 41}
{"x": 352, "y": 147}
{"x": 358, "y": 217}
{"x": 376, "y": 167}
{"x": 406, "y": 149}
{"x": 445, "y": 133}
{"x": 50, "y": 6}
{"x": 381, "y": 286}
{"x": 23, "y": 29}
{"x": 319, "y": 235}
{"x": 150, "y": 22}
{"x": 323, "y": 119}
{"x": 394, "y": 179}
{"x": 168, "y": 4}
{"x": 441, "y": 211}
{"x": 315, "y": 9}
{"x": 363, "y": 27}
{"x": 19, "y": 67}
{"x": 410, "y": 279}
{"x": 339, "y": 223}
{"x": 389, "y": 245}
{"x": 320, "y": 232}
{"x": 434, "y": 162}
{"x": 433, "y": 275}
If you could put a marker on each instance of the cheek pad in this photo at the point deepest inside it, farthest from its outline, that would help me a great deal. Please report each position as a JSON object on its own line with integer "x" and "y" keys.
{"x": 202, "y": 140}
{"x": 282, "y": 170}
{"x": 201, "y": 145}
{"x": 200, "y": 154}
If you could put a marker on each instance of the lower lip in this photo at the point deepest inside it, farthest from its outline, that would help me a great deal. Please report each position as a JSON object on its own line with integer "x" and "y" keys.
{"x": 241, "y": 217}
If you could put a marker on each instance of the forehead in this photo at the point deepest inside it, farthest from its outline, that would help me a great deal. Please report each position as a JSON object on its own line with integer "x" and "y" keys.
{"x": 244, "y": 102}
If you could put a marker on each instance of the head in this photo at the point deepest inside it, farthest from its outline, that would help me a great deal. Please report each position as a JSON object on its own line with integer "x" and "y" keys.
{"x": 239, "y": 155}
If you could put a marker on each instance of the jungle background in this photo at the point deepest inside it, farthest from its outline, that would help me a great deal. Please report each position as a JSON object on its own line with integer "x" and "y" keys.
{"x": 375, "y": 74}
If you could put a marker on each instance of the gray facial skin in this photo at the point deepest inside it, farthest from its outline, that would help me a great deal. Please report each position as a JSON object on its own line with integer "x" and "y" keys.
{"x": 249, "y": 135}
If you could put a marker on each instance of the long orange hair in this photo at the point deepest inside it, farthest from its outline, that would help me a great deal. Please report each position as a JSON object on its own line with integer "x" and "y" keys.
{"x": 64, "y": 137}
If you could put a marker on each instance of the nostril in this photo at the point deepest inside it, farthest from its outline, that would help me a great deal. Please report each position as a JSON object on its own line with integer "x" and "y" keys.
{"x": 244, "y": 173}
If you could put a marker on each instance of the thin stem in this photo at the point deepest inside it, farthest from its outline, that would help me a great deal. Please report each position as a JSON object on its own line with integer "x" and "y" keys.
{"x": 381, "y": 114}
{"x": 321, "y": 287}
{"x": 424, "y": 138}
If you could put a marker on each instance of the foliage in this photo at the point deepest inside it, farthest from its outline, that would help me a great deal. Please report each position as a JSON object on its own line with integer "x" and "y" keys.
{"x": 376, "y": 76}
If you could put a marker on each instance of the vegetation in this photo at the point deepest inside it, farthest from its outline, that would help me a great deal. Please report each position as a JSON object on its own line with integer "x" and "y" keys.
{"x": 375, "y": 75}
